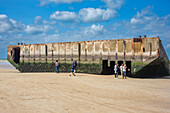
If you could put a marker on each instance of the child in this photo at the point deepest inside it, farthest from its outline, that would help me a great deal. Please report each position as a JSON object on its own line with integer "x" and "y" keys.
{"x": 72, "y": 72}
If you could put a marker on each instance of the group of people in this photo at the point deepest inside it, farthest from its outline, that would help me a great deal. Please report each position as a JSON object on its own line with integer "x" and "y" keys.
{"x": 117, "y": 69}
{"x": 73, "y": 67}
{"x": 121, "y": 69}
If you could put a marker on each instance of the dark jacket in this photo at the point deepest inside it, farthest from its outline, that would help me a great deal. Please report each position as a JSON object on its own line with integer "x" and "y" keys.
{"x": 74, "y": 65}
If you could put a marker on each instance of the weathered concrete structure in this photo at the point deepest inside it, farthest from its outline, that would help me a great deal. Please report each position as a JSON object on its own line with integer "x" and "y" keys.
{"x": 97, "y": 56}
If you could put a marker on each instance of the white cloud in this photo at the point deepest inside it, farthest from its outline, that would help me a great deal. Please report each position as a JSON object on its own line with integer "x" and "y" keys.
{"x": 40, "y": 26}
{"x": 167, "y": 17}
{"x": 85, "y": 15}
{"x": 143, "y": 17}
{"x": 5, "y": 24}
{"x": 64, "y": 16}
{"x": 38, "y": 29}
{"x": 145, "y": 12}
{"x": 8, "y": 25}
{"x": 3, "y": 16}
{"x": 96, "y": 15}
{"x": 113, "y": 4}
{"x": 44, "y": 2}
{"x": 37, "y": 20}
{"x": 145, "y": 22}
{"x": 134, "y": 20}
{"x": 94, "y": 30}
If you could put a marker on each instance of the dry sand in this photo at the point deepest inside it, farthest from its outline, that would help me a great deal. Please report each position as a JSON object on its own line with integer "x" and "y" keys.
{"x": 84, "y": 93}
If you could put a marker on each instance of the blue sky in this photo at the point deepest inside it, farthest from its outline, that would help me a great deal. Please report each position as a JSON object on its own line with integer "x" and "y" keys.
{"x": 46, "y": 21}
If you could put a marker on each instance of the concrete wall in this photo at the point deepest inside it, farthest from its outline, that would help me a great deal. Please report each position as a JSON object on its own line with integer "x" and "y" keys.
{"x": 91, "y": 54}
{"x": 121, "y": 49}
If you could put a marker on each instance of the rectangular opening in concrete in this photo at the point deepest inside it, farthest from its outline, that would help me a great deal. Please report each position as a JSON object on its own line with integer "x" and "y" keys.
{"x": 112, "y": 64}
{"x": 128, "y": 65}
{"x": 105, "y": 67}
{"x": 105, "y": 64}
{"x": 16, "y": 56}
{"x": 108, "y": 69}
{"x": 120, "y": 63}
{"x": 11, "y": 53}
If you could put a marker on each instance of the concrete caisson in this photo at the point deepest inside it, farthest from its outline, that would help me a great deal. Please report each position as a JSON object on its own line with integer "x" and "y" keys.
{"x": 144, "y": 57}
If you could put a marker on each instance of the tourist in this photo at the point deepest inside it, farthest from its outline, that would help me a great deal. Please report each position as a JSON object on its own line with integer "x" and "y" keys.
{"x": 73, "y": 68}
{"x": 121, "y": 70}
{"x": 74, "y": 65}
{"x": 116, "y": 70}
{"x": 57, "y": 66}
{"x": 124, "y": 71}
{"x": 72, "y": 72}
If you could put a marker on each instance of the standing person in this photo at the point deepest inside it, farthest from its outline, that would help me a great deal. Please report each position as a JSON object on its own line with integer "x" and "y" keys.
{"x": 124, "y": 71}
{"x": 73, "y": 67}
{"x": 121, "y": 70}
{"x": 57, "y": 64}
{"x": 116, "y": 70}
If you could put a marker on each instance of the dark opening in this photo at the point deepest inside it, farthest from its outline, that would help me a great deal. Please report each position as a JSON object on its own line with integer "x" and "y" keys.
{"x": 108, "y": 69}
{"x": 143, "y": 49}
{"x": 119, "y": 64}
{"x": 112, "y": 64}
{"x": 79, "y": 50}
{"x": 137, "y": 40}
{"x": 128, "y": 70}
{"x": 11, "y": 53}
{"x": 46, "y": 53}
{"x": 16, "y": 56}
{"x": 105, "y": 64}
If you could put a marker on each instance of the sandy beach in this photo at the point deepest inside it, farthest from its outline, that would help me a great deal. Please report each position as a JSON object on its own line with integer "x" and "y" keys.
{"x": 84, "y": 93}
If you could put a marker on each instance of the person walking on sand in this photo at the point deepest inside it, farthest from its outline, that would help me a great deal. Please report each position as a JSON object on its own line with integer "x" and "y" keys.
{"x": 57, "y": 64}
{"x": 73, "y": 67}
{"x": 121, "y": 70}
{"x": 116, "y": 70}
{"x": 124, "y": 71}
{"x": 72, "y": 72}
